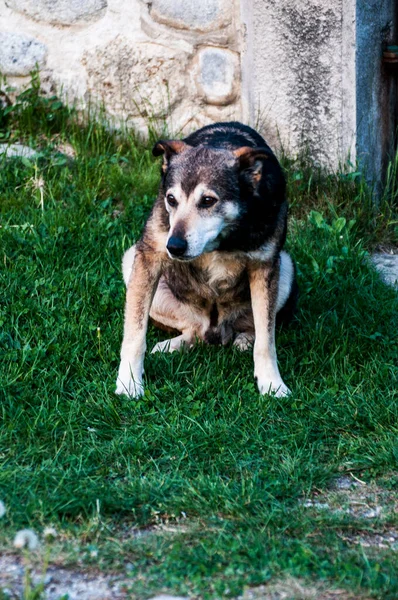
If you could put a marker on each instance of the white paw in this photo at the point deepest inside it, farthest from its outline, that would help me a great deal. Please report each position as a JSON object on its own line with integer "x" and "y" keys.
{"x": 134, "y": 389}
{"x": 127, "y": 384}
{"x": 172, "y": 345}
{"x": 164, "y": 346}
{"x": 243, "y": 341}
{"x": 275, "y": 386}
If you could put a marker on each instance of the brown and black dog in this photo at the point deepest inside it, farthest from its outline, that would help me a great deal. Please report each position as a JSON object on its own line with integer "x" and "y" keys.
{"x": 210, "y": 263}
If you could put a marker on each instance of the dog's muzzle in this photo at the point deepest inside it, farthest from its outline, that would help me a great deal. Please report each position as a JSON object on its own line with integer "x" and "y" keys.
{"x": 177, "y": 246}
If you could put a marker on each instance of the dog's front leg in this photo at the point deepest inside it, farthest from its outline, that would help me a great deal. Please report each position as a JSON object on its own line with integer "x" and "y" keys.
{"x": 264, "y": 282}
{"x": 141, "y": 287}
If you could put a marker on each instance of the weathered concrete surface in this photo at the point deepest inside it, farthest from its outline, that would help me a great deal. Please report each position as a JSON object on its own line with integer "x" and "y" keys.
{"x": 63, "y": 12}
{"x": 387, "y": 265}
{"x": 314, "y": 81}
{"x": 19, "y": 53}
{"x": 296, "y": 75}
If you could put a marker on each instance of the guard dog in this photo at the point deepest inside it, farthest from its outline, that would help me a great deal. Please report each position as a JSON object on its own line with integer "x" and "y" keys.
{"x": 209, "y": 265}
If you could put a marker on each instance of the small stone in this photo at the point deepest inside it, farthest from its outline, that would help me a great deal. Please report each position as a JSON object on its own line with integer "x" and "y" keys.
{"x": 315, "y": 504}
{"x": 345, "y": 483}
{"x": 217, "y": 75}
{"x": 372, "y": 513}
{"x": 17, "y": 150}
{"x": 20, "y": 54}
{"x": 60, "y": 12}
{"x": 387, "y": 266}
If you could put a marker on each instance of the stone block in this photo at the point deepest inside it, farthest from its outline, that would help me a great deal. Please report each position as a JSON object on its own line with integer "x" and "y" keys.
{"x": 17, "y": 151}
{"x": 192, "y": 114}
{"x": 217, "y": 76}
{"x": 62, "y": 12}
{"x": 194, "y": 15}
{"x": 387, "y": 266}
{"x": 20, "y": 53}
{"x": 141, "y": 79}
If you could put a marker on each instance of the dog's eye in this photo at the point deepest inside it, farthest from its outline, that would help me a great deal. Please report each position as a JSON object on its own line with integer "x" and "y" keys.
{"x": 207, "y": 201}
{"x": 171, "y": 201}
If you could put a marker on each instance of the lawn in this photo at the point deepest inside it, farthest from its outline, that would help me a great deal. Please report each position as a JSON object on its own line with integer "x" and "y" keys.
{"x": 201, "y": 487}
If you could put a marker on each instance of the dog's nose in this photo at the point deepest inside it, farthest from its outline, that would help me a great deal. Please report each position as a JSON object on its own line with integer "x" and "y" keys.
{"x": 176, "y": 246}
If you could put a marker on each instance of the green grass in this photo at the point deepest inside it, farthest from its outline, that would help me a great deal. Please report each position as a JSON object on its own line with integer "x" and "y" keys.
{"x": 202, "y": 451}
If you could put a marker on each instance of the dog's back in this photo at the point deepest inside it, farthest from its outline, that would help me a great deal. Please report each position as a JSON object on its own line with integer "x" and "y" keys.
{"x": 229, "y": 136}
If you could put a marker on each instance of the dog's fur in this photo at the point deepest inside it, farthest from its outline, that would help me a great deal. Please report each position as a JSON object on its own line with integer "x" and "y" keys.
{"x": 210, "y": 263}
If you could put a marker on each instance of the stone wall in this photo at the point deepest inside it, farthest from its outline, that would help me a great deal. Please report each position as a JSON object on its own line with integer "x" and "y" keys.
{"x": 307, "y": 73}
{"x": 159, "y": 61}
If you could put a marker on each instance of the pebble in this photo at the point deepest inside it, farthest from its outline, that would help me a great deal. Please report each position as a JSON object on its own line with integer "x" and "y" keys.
{"x": 387, "y": 265}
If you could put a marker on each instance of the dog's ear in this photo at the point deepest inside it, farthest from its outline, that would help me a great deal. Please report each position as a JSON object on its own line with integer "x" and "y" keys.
{"x": 254, "y": 159}
{"x": 168, "y": 148}
{"x": 261, "y": 168}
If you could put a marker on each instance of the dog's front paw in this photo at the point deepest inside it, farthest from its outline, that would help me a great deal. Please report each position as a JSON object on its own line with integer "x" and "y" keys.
{"x": 244, "y": 341}
{"x": 274, "y": 386}
{"x": 165, "y": 346}
{"x": 178, "y": 343}
{"x": 133, "y": 389}
{"x": 127, "y": 384}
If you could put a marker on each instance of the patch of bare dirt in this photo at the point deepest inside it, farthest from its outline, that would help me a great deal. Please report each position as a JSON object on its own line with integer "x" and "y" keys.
{"x": 368, "y": 503}
{"x": 357, "y": 498}
{"x": 294, "y": 589}
{"x": 387, "y": 539}
{"x": 58, "y": 582}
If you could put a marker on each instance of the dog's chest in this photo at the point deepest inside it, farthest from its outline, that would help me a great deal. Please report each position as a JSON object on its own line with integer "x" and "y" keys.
{"x": 212, "y": 277}
{"x": 220, "y": 271}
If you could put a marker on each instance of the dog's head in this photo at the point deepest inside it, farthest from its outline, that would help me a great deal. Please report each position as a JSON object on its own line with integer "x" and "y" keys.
{"x": 205, "y": 191}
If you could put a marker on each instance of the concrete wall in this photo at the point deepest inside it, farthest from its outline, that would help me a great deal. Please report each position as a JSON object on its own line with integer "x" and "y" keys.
{"x": 307, "y": 73}
{"x": 313, "y": 78}
{"x": 302, "y": 83}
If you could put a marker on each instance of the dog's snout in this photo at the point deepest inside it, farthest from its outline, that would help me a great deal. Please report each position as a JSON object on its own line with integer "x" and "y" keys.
{"x": 177, "y": 246}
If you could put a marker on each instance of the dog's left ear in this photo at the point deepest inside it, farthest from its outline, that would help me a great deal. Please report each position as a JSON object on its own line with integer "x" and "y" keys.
{"x": 261, "y": 168}
{"x": 254, "y": 159}
{"x": 168, "y": 148}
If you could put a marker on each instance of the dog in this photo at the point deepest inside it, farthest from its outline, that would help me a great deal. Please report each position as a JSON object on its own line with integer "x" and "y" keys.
{"x": 210, "y": 264}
